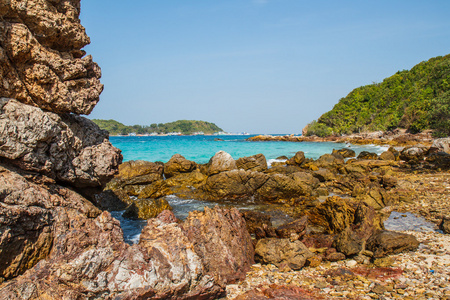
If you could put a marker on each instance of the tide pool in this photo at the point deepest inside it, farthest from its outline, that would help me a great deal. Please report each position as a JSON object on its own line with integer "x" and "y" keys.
{"x": 201, "y": 148}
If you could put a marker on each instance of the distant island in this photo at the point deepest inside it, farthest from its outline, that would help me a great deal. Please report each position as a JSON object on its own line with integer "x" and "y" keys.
{"x": 416, "y": 100}
{"x": 181, "y": 127}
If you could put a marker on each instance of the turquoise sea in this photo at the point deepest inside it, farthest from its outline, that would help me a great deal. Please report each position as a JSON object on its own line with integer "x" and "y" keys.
{"x": 201, "y": 148}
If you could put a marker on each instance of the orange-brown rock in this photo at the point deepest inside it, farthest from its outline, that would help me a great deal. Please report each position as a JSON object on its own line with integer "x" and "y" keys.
{"x": 177, "y": 165}
{"x": 40, "y": 57}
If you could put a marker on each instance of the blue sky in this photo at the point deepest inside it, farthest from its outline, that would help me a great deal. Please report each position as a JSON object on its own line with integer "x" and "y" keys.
{"x": 259, "y": 66}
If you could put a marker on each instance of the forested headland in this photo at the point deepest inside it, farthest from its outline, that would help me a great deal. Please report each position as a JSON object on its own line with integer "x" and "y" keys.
{"x": 416, "y": 100}
{"x": 185, "y": 127}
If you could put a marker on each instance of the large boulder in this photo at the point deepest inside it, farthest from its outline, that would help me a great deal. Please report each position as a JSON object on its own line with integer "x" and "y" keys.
{"x": 385, "y": 242}
{"x": 177, "y": 165}
{"x": 442, "y": 144}
{"x": 136, "y": 170}
{"x": 256, "y": 162}
{"x": 220, "y": 238}
{"x": 234, "y": 184}
{"x": 445, "y": 225}
{"x": 282, "y": 252}
{"x": 220, "y": 162}
{"x": 279, "y": 186}
{"x": 40, "y": 57}
{"x": 413, "y": 154}
{"x": 334, "y": 215}
{"x": 67, "y": 148}
{"x": 78, "y": 252}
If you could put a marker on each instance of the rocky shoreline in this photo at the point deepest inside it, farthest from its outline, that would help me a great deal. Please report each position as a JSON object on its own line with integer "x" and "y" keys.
{"x": 58, "y": 239}
{"x": 397, "y": 137}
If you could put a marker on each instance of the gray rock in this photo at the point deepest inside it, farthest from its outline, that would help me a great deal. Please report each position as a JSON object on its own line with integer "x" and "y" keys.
{"x": 220, "y": 162}
{"x": 67, "y": 148}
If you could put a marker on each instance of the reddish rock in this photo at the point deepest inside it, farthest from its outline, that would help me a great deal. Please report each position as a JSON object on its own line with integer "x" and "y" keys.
{"x": 276, "y": 292}
{"x": 220, "y": 238}
{"x": 258, "y": 223}
{"x": 297, "y": 227}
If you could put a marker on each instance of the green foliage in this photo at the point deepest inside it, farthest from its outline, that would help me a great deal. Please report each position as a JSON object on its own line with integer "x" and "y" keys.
{"x": 183, "y": 126}
{"x": 440, "y": 115}
{"x": 408, "y": 99}
{"x": 318, "y": 129}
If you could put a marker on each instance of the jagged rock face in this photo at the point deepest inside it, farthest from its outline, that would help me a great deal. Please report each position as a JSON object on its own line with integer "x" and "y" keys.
{"x": 67, "y": 148}
{"x": 89, "y": 258}
{"x": 221, "y": 239}
{"x": 29, "y": 214}
{"x": 41, "y": 63}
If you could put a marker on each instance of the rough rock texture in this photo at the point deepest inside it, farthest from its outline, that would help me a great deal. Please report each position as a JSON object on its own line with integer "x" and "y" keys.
{"x": 41, "y": 63}
{"x": 146, "y": 208}
{"x": 178, "y": 164}
{"x": 367, "y": 155}
{"x": 221, "y": 239}
{"x": 389, "y": 242}
{"x": 282, "y": 251}
{"x": 67, "y": 148}
{"x": 297, "y": 159}
{"x": 442, "y": 144}
{"x": 345, "y": 152}
{"x": 88, "y": 258}
{"x": 29, "y": 214}
{"x": 234, "y": 184}
{"x": 416, "y": 153}
{"x": 256, "y": 162}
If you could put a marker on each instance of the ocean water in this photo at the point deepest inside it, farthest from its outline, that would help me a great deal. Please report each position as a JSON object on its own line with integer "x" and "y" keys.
{"x": 201, "y": 148}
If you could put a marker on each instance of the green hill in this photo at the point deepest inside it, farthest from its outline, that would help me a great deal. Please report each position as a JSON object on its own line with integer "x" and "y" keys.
{"x": 183, "y": 126}
{"x": 417, "y": 99}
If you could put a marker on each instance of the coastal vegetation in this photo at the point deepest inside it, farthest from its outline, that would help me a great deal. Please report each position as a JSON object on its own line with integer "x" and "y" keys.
{"x": 416, "y": 99}
{"x": 185, "y": 127}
